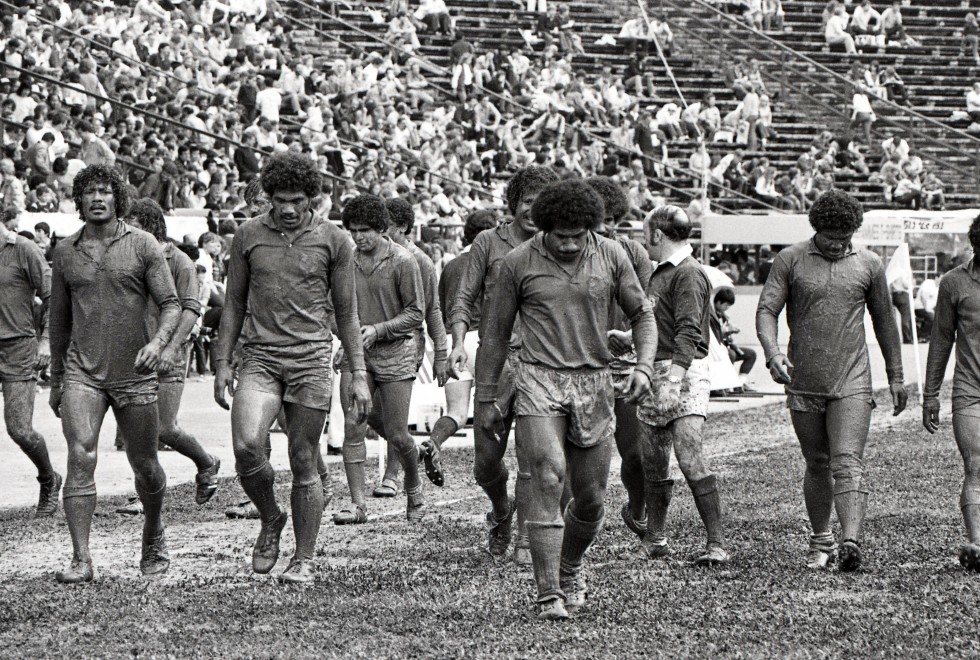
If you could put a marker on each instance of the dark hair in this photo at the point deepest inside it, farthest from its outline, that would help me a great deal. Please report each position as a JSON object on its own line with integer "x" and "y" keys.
{"x": 725, "y": 294}
{"x": 836, "y": 211}
{"x": 252, "y": 191}
{"x": 974, "y": 235}
{"x": 206, "y": 237}
{"x": 227, "y": 227}
{"x": 367, "y": 210}
{"x": 290, "y": 171}
{"x": 401, "y": 213}
{"x": 101, "y": 174}
{"x": 527, "y": 180}
{"x": 476, "y": 222}
{"x": 191, "y": 251}
{"x": 570, "y": 204}
{"x": 671, "y": 220}
{"x": 613, "y": 197}
{"x": 43, "y": 226}
{"x": 146, "y": 213}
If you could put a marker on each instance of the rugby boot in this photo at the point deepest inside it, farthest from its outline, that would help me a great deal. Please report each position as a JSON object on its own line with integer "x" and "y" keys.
{"x": 206, "y": 482}
{"x": 553, "y": 610}
{"x": 77, "y": 573}
{"x": 265, "y": 554}
{"x": 849, "y": 556}
{"x": 155, "y": 559}
{"x": 638, "y": 527}
{"x": 575, "y": 588}
{"x": 387, "y": 488}
{"x": 522, "y": 551}
{"x": 500, "y": 532}
{"x": 648, "y": 549}
{"x": 714, "y": 555}
{"x": 132, "y": 507}
{"x": 355, "y": 515}
{"x": 299, "y": 571}
{"x": 47, "y": 500}
{"x": 430, "y": 455}
{"x": 822, "y": 552}
{"x": 970, "y": 556}
{"x": 245, "y": 510}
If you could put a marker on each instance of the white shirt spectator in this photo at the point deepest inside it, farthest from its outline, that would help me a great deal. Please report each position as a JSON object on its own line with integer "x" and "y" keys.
{"x": 268, "y": 101}
{"x": 863, "y": 16}
{"x": 836, "y": 28}
{"x": 431, "y": 7}
{"x": 926, "y": 297}
{"x": 973, "y": 101}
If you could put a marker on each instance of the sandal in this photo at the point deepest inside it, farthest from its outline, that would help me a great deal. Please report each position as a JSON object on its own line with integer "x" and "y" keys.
{"x": 388, "y": 488}
{"x": 354, "y": 516}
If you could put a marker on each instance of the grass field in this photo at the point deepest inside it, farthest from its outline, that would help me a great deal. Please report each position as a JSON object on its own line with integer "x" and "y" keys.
{"x": 389, "y": 590}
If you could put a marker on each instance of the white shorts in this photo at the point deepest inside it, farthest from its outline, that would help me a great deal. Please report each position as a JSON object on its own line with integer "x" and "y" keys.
{"x": 471, "y": 342}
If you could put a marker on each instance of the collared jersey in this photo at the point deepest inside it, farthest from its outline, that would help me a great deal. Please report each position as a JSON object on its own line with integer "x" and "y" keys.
{"x": 825, "y": 301}
{"x": 449, "y": 281}
{"x": 433, "y": 310}
{"x": 98, "y": 308}
{"x": 286, "y": 285}
{"x": 24, "y": 274}
{"x": 565, "y": 315}
{"x": 681, "y": 291}
{"x": 184, "y": 273}
{"x": 480, "y": 276}
{"x": 957, "y": 319}
{"x": 389, "y": 291}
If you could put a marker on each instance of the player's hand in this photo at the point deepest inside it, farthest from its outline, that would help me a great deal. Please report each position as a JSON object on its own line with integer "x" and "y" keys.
{"x": 338, "y": 359}
{"x": 43, "y": 355}
{"x": 779, "y": 369}
{"x": 54, "y": 400}
{"x": 148, "y": 359}
{"x": 620, "y": 342}
{"x": 638, "y": 387}
{"x": 900, "y": 397}
{"x": 168, "y": 359}
{"x": 441, "y": 371}
{"x": 458, "y": 359}
{"x": 224, "y": 379}
{"x": 930, "y": 415}
{"x": 360, "y": 397}
{"x": 369, "y": 336}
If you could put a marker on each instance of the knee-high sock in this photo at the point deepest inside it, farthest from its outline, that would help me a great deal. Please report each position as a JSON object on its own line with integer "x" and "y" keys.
{"x": 187, "y": 445}
{"x": 546, "y": 544}
{"x": 409, "y": 456}
{"x": 496, "y": 490}
{"x": 708, "y": 502}
{"x": 442, "y": 430}
{"x": 79, "y": 503}
{"x": 631, "y": 474}
{"x": 152, "y": 501}
{"x": 522, "y": 490}
{"x": 578, "y": 538}
{"x": 307, "y": 506}
{"x": 970, "y": 505}
{"x": 36, "y": 450}
{"x": 355, "y": 453}
{"x": 658, "y": 493}
{"x": 259, "y": 484}
{"x": 393, "y": 463}
{"x": 851, "y": 502}
{"x": 818, "y": 494}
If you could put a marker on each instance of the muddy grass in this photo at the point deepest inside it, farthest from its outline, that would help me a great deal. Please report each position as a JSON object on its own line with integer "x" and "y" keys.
{"x": 386, "y": 589}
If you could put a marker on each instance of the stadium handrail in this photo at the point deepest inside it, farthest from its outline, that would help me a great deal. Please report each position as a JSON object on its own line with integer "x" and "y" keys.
{"x": 685, "y": 8}
{"x": 617, "y": 148}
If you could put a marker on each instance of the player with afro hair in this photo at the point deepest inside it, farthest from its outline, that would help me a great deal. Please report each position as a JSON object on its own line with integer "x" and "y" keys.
{"x": 367, "y": 210}
{"x": 96, "y": 174}
{"x": 289, "y": 171}
{"x": 614, "y": 199}
{"x": 827, "y": 284}
{"x": 563, "y": 384}
{"x": 146, "y": 214}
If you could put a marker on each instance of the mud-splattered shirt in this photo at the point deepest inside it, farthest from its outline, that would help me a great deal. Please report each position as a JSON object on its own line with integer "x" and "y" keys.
{"x": 565, "y": 309}
{"x": 24, "y": 274}
{"x": 184, "y": 273}
{"x": 825, "y": 301}
{"x": 681, "y": 292}
{"x": 643, "y": 268}
{"x": 389, "y": 291}
{"x": 99, "y": 307}
{"x": 449, "y": 281}
{"x": 289, "y": 287}
{"x": 433, "y": 310}
{"x": 957, "y": 320}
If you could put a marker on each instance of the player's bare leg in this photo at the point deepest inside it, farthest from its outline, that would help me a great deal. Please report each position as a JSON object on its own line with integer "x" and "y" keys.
{"x": 355, "y": 455}
{"x": 629, "y": 444}
{"x": 966, "y": 429}
{"x": 168, "y": 405}
{"x": 492, "y": 475}
{"x": 251, "y": 416}
{"x": 395, "y": 398}
{"x": 818, "y": 486}
{"x": 657, "y": 448}
{"x": 848, "y": 424}
{"x": 18, "y": 415}
{"x": 457, "y": 412}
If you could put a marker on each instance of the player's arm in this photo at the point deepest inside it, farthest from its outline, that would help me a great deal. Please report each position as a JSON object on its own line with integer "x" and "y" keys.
{"x": 879, "y": 302}
{"x": 232, "y": 320}
{"x": 433, "y": 316}
{"x": 775, "y": 294}
{"x": 690, "y": 295}
{"x": 39, "y": 274}
{"x": 347, "y": 325}
{"x": 643, "y": 325}
{"x": 410, "y": 293}
{"x": 160, "y": 284}
{"x": 59, "y": 323}
{"x": 468, "y": 292}
{"x": 189, "y": 294}
{"x": 499, "y": 325}
{"x": 940, "y": 347}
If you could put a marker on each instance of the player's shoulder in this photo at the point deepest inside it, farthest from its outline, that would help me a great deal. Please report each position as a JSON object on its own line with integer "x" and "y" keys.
{"x": 955, "y": 277}
{"x": 27, "y": 246}
{"x": 400, "y": 255}
{"x": 180, "y": 258}
{"x": 793, "y": 252}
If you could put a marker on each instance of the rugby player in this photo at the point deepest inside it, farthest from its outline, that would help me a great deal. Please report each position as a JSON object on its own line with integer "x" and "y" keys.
{"x": 390, "y": 302}
{"x": 104, "y": 278}
{"x": 957, "y": 323}
{"x": 562, "y": 283}
{"x": 490, "y": 439}
{"x": 287, "y": 266}
{"x": 24, "y": 275}
{"x": 825, "y": 285}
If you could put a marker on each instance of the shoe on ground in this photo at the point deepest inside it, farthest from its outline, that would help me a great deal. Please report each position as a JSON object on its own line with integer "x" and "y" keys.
{"x": 970, "y": 556}
{"x": 354, "y": 516}
{"x": 299, "y": 571}
{"x": 431, "y": 456}
{"x": 388, "y": 488}
{"x": 818, "y": 560}
{"x": 265, "y": 554}
{"x": 522, "y": 551}
{"x": 575, "y": 588}
{"x": 849, "y": 556}
{"x": 415, "y": 510}
{"x": 132, "y": 507}
{"x": 243, "y": 510}
{"x": 500, "y": 532}
{"x": 207, "y": 482}
{"x": 47, "y": 500}
{"x": 638, "y": 527}
{"x": 714, "y": 555}
{"x": 648, "y": 550}
{"x": 155, "y": 559}
{"x": 77, "y": 573}
{"x": 553, "y": 610}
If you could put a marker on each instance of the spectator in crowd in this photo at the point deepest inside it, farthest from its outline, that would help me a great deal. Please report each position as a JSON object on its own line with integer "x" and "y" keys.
{"x": 973, "y": 102}
{"x": 94, "y": 149}
{"x": 925, "y": 305}
{"x": 434, "y": 16}
{"x": 661, "y": 31}
{"x": 773, "y": 15}
{"x": 894, "y": 86}
{"x": 836, "y": 33}
{"x": 971, "y": 36}
{"x": 862, "y": 115}
{"x": 865, "y": 20}
{"x": 725, "y": 331}
{"x": 13, "y": 198}
{"x": 933, "y": 195}
{"x": 891, "y": 23}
